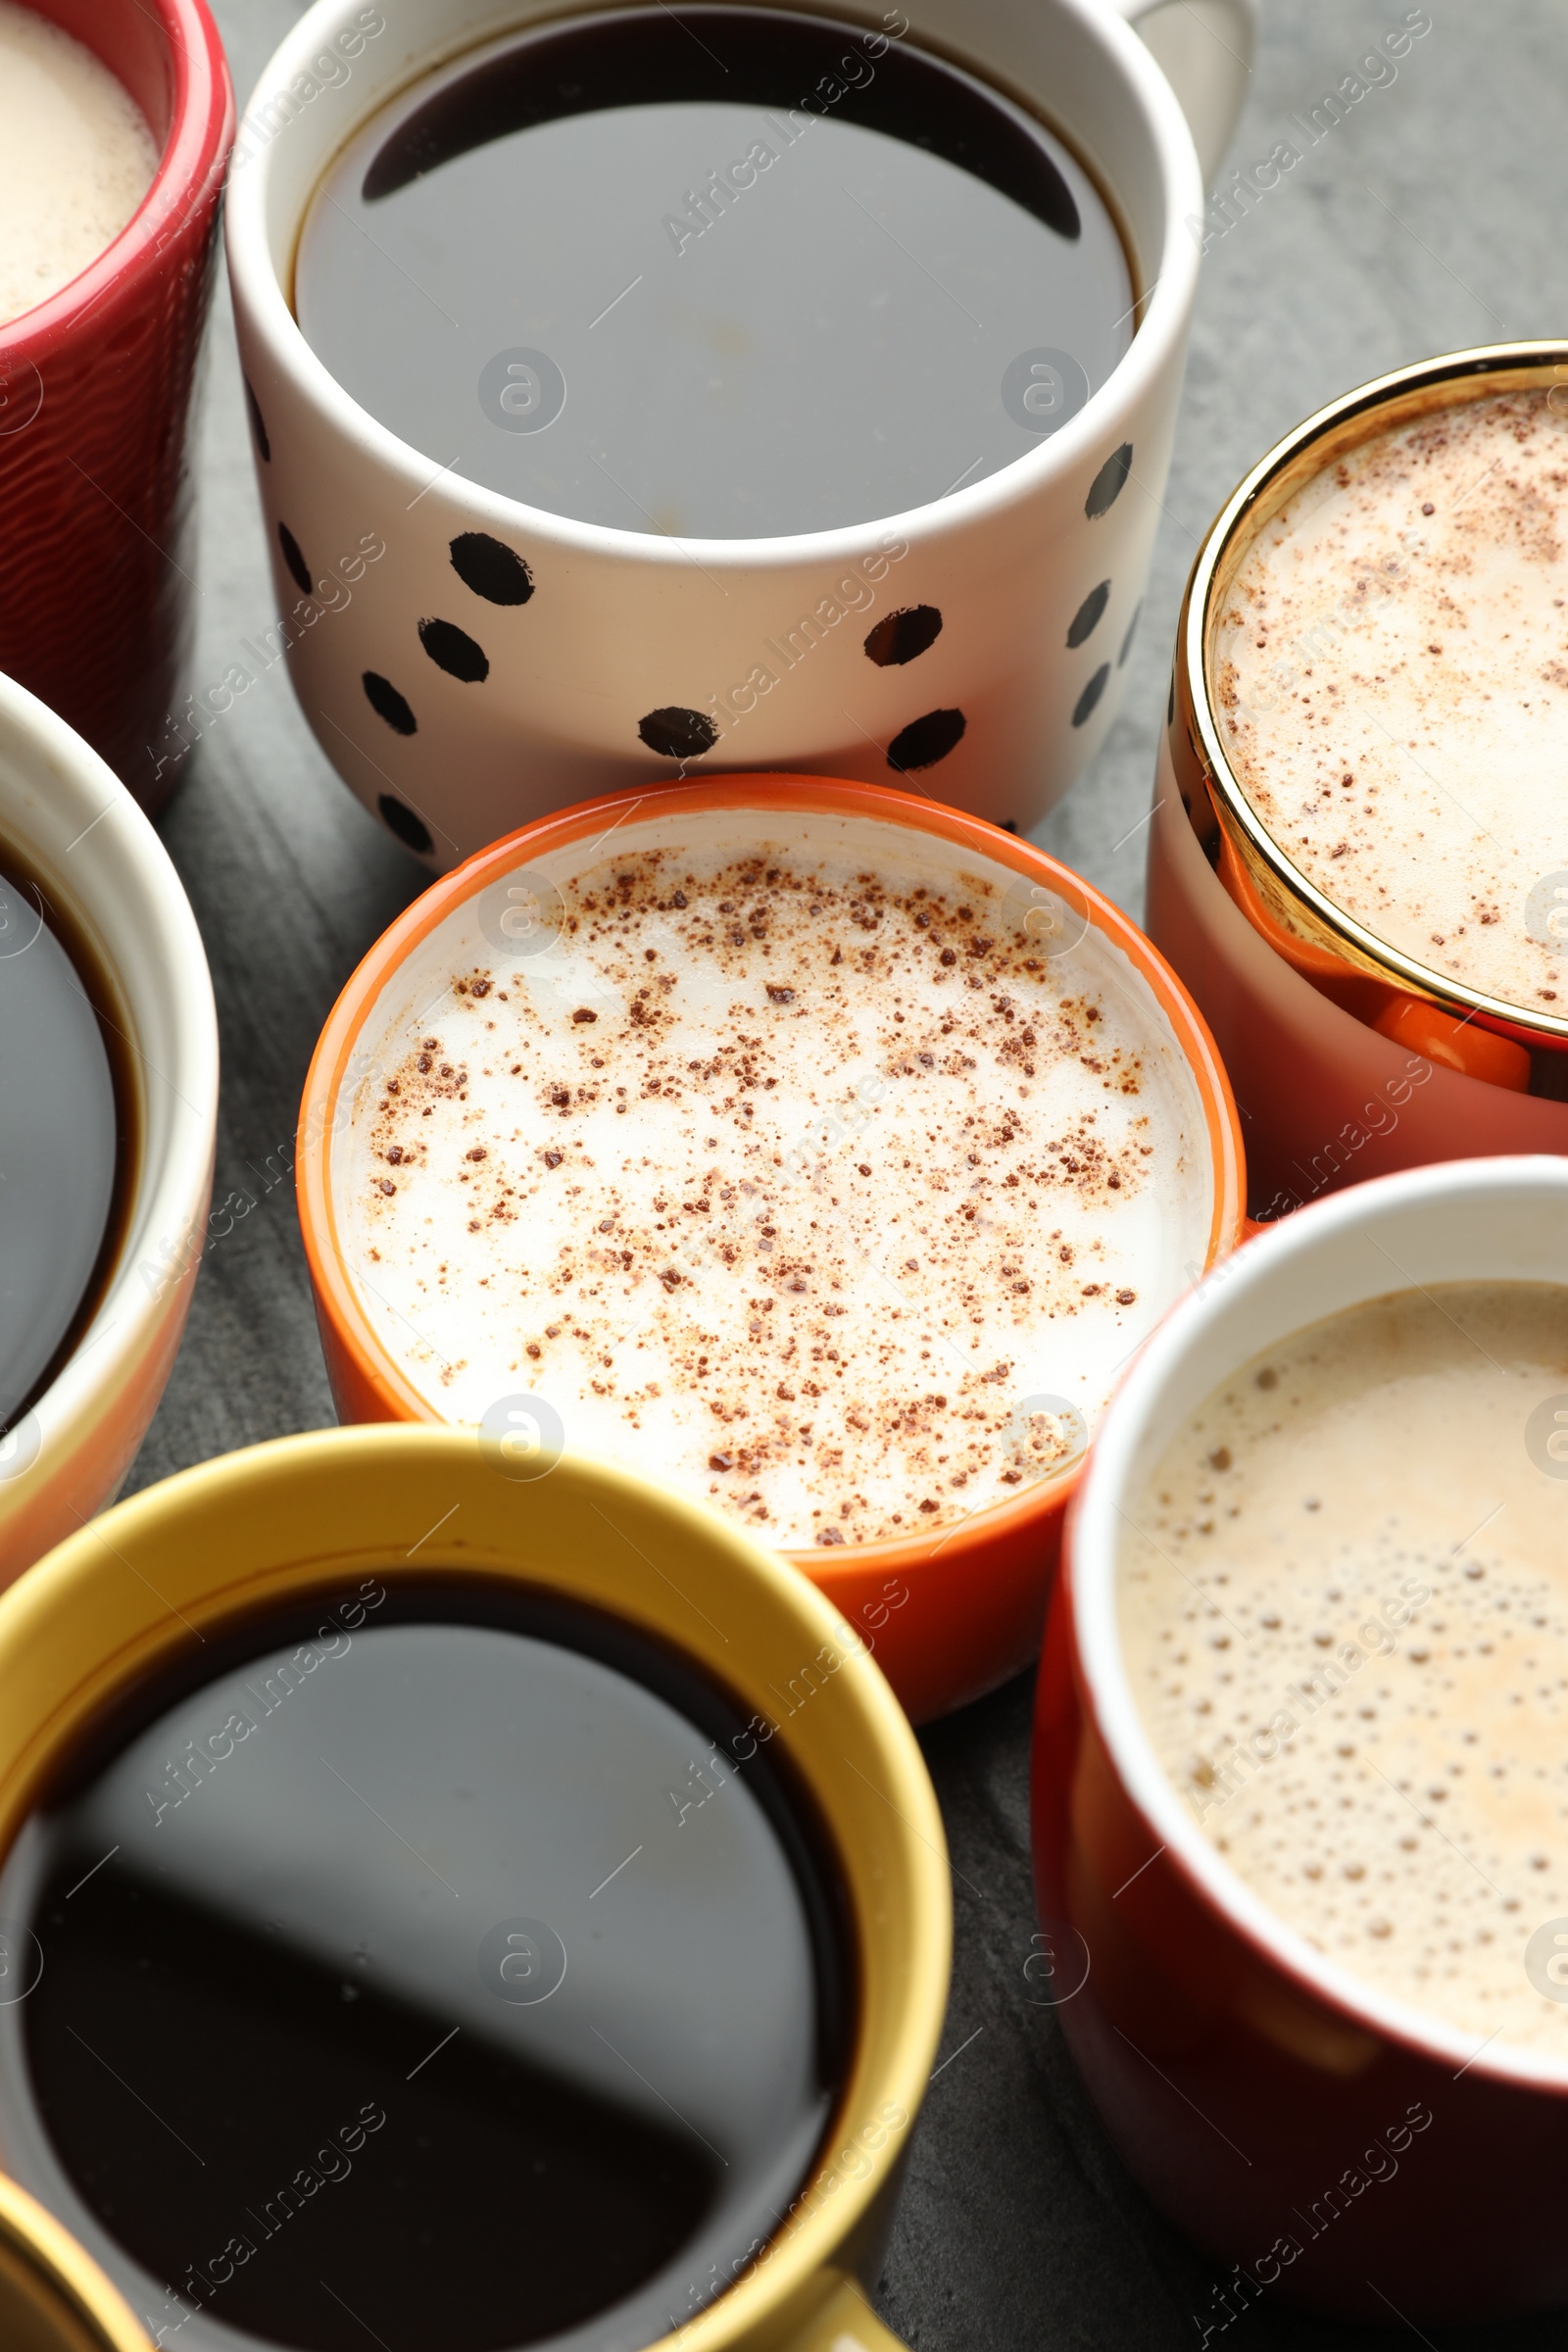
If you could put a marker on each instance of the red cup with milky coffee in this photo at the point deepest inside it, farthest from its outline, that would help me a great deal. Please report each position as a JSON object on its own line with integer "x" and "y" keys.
{"x": 96, "y": 387}
{"x": 1329, "y": 2133}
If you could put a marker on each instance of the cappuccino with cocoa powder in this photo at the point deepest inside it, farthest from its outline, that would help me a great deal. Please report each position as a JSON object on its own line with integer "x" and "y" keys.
{"x": 1343, "y": 1607}
{"x": 817, "y": 1168}
{"x": 1391, "y": 673}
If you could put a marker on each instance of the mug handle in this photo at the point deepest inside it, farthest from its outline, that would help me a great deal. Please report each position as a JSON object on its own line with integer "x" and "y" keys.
{"x": 1204, "y": 49}
{"x": 845, "y": 2323}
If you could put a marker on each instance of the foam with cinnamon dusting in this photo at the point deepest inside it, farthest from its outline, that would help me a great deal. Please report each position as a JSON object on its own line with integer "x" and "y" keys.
{"x": 1344, "y": 1612}
{"x": 789, "y": 1174}
{"x": 1392, "y": 676}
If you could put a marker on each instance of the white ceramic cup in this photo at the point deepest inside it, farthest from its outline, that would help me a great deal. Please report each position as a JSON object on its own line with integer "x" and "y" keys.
{"x": 623, "y": 625}
{"x": 72, "y": 823}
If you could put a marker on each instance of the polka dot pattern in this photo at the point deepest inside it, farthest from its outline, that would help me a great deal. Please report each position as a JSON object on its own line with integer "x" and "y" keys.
{"x": 453, "y": 650}
{"x": 253, "y": 409}
{"x": 491, "y": 569}
{"x": 293, "y": 557}
{"x": 925, "y": 741}
{"x": 1088, "y": 615}
{"x": 386, "y": 702}
{"x": 900, "y": 636}
{"x": 677, "y": 733}
{"x": 400, "y": 819}
{"x": 1106, "y": 486}
{"x": 1085, "y": 705}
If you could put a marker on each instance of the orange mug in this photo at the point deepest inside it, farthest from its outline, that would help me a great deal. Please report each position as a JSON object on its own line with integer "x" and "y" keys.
{"x": 954, "y": 1610}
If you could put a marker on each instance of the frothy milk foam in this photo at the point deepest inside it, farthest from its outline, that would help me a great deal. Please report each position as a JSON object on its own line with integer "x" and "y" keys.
{"x": 1343, "y": 1608}
{"x": 794, "y": 1170}
{"x": 75, "y": 159}
{"x": 1392, "y": 675}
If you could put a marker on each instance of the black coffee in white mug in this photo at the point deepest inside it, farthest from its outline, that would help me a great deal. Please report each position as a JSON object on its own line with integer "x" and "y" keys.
{"x": 435, "y": 1967}
{"x": 733, "y": 272}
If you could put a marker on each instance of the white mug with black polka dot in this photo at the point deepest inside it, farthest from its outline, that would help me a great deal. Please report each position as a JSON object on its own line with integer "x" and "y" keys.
{"x": 469, "y": 662}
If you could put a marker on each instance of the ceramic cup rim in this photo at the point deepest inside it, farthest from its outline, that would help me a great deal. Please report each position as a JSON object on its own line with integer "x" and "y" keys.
{"x": 301, "y": 1512}
{"x": 1155, "y": 348}
{"x": 171, "y": 990}
{"x": 1451, "y": 379}
{"x": 337, "y": 1299}
{"x": 190, "y": 167}
{"x": 1088, "y": 1591}
{"x": 32, "y": 2233}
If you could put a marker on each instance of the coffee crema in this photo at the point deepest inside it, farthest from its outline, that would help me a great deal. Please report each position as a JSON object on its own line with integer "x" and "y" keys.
{"x": 730, "y": 273}
{"x": 1391, "y": 672}
{"x": 440, "y": 1965}
{"x": 794, "y": 1170}
{"x": 1344, "y": 1606}
{"x": 77, "y": 158}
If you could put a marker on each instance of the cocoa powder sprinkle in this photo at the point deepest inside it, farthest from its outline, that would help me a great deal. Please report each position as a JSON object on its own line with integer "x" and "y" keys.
{"x": 825, "y": 1347}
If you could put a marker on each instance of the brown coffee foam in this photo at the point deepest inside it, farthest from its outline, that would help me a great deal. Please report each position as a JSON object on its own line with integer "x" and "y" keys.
{"x": 1345, "y": 1610}
{"x": 1391, "y": 669}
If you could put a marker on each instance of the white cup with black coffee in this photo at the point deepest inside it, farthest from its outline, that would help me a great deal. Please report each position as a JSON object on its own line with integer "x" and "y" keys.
{"x": 108, "y": 1115}
{"x": 755, "y": 388}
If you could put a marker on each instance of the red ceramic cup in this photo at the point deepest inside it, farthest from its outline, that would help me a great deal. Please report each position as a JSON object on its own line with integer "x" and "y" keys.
{"x": 950, "y": 1614}
{"x": 1326, "y": 2142}
{"x": 95, "y": 399}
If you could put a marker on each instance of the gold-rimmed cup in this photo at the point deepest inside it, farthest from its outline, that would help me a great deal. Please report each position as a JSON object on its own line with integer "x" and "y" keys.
{"x": 1349, "y": 1056}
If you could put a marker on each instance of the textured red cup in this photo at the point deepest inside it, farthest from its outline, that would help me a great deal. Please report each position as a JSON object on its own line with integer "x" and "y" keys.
{"x": 1325, "y": 2141}
{"x": 95, "y": 400}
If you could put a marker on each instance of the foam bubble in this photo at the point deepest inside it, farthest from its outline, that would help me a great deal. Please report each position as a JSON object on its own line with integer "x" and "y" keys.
{"x": 1345, "y": 1613}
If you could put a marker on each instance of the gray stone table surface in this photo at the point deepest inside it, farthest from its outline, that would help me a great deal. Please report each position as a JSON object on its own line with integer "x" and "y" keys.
{"x": 1429, "y": 218}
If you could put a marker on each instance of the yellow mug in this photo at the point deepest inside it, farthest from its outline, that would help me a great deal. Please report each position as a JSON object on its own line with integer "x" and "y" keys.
{"x": 286, "y": 1522}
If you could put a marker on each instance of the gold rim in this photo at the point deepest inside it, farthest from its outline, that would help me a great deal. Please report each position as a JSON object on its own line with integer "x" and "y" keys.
{"x": 301, "y": 1516}
{"x": 1288, "y": 894}
{"x": 45, "y": 2275}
